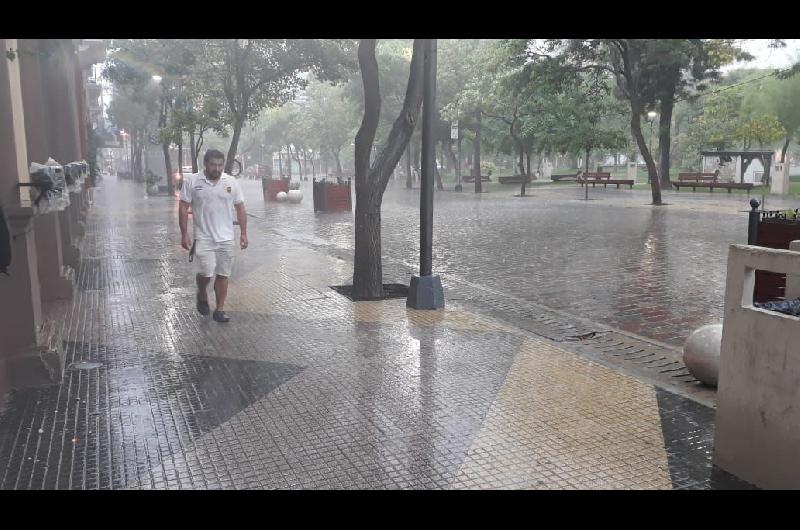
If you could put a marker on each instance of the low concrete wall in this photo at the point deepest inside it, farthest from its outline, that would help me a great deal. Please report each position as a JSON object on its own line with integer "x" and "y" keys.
{"x": 758, "y": 402}
{"x": 793, "y": 280}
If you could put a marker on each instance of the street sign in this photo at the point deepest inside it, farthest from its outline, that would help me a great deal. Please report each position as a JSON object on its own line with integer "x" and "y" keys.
{"x": 454, "y": 130}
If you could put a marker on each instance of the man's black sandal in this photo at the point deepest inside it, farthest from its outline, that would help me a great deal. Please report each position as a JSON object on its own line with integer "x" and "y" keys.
{"x": 220, "y": 316}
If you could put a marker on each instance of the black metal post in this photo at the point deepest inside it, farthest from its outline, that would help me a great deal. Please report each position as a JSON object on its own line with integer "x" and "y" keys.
{"x": 458, "y": 162}
{"x": 428, "y": 160}
{"x": 425, "y": 291}
{"x": 752, "y": 226}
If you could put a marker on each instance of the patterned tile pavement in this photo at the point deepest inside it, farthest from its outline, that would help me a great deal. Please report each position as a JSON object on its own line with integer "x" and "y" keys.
{"x": 306, "y": 389}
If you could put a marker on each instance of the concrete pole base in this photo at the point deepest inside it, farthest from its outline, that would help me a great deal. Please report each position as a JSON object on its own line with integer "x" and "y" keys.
{"x": 33, "y": 367}
{"x": 425, "y": 292}
{"x": 60, "y": 288}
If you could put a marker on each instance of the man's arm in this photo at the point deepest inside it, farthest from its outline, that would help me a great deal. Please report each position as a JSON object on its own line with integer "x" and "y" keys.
{"x": 183, "y": 223}
{"x": 241, "y": 217}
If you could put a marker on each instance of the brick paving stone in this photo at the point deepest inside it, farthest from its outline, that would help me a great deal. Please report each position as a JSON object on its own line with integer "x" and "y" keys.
{"x": 306, "y": 389}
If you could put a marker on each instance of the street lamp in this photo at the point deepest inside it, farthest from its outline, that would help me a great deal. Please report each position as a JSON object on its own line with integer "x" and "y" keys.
{"x": 458, "y": 138}
{"x": 425, "y": 291}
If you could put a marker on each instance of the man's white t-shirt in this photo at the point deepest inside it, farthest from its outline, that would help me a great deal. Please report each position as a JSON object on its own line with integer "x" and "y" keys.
{"x": 212, "y": 205}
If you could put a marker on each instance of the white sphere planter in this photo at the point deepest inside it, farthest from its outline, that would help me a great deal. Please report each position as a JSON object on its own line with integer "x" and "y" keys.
{"x": 701, "y": 353}
{"x": 281, "y": 196}
{"x": 295, "y": 196}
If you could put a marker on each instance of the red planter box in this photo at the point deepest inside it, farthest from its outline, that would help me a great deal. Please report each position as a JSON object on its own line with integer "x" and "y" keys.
{"x": 770, "y": 285}
{"x": 272, "y": 187}
{"x": 332, "y": 197}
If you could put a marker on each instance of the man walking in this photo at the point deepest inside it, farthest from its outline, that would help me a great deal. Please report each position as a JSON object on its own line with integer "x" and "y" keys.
{"x": 212, "y": 195}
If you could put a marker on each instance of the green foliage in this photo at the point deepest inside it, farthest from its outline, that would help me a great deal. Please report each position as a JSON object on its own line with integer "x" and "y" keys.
{"x": 779, "y": 98}
{"x": 759, "y": 129}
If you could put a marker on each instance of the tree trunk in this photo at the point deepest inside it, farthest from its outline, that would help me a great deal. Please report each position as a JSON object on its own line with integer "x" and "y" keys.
{"x": 237, "y": 133}
{"x": 451, "y": 155}
{"x": 140, "y": 155}
{"x": 280, "y": 162}
{"x": 289, "y": 161}
{"x": 476, "y": 154}
{"x": 371, "y": 178}
{"x": 436, "y": 171}
{"x": 180, "y": 156}
{"x": 296, "y": 155}
{"x": 785, "y": 148}
{"x": 409, "y": 183}
{"x": 665, "y": 138}
{"x": 439, "y": 185}
{"x": 418, "y": 161}
{"x": 168, "y": 167}
{"x": 367, "y": 265}
{"x": 193, "y": 151}
{"x": 415, "y": 155}
{"x": 585, "y": 181}
{"x": 197, "y": 148}
{"x": 134, "y": 168}
{"x": 636, "y": 129}
{"x": 521, "y": 153}
{"x": 528, "y": 157}
{"x": 162, "y": 122}
{"x": 338, "y": 164}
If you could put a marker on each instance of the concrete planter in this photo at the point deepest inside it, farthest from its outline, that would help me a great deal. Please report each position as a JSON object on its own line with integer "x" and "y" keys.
{"x": 272, "y": 187}
{"x": 757, "y": 434}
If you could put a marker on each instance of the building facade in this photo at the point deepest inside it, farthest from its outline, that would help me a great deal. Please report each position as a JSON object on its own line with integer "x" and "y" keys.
{"x": 46, "y": 111}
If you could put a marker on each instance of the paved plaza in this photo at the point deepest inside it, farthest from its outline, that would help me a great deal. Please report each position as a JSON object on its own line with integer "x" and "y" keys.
{"x": 555, "y": 365}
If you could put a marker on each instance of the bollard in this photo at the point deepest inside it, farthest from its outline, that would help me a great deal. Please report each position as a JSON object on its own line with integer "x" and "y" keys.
{"x": 752, "y": 226}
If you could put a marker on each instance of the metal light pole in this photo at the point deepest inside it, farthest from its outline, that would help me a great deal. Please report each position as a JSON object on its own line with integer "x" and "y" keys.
{"x": 458, "y": 138}
{"x": 425, "y": 291}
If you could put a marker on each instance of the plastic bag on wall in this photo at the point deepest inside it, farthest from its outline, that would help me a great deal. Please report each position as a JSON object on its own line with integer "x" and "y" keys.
{"x": 787, "y": 307}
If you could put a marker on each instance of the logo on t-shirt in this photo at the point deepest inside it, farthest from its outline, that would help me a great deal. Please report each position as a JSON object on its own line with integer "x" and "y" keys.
{"x": 228, "y": 189}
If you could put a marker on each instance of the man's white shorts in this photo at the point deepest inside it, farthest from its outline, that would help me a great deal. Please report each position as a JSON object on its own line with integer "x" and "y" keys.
{"x": 212, "y": 258}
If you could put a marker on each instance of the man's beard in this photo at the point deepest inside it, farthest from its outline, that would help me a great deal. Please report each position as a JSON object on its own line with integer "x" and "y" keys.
{"x": 214, "y": 175}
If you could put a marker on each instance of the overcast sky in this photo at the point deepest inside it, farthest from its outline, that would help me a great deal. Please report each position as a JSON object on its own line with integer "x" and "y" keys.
{"x": 766, "y": 57}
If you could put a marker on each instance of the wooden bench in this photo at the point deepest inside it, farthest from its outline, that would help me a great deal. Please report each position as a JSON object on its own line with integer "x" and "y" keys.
{"x": 708, "y": 180}
{"x": 604, "y": 179}
{"x": 694, "y": 180}
{"x": 734, "y": 186}
{"x": 470, "y": 178}
{"x": 514, "y": 179}
{"x": 567, "y": 177}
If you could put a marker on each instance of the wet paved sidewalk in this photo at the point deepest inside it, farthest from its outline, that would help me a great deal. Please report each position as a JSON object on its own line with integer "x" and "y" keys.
{"x": 306, "y": 389}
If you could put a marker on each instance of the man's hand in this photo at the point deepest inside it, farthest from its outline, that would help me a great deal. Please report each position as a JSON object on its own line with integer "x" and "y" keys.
{"x": 243, "y": 241}
{"x": 186, "y": 242}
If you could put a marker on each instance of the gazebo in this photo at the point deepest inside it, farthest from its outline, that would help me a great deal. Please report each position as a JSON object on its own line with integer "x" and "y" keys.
{"x": 742, "y": 160}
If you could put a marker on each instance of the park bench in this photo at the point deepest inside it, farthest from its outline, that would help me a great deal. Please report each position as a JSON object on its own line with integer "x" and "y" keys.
{"x": 569, "y": 176}
{"x": 514, "y": 179}
{"x": 470, "y": 178}
{"x": 602, "y": 178}
{"x": 708, "y": 180}
{"x": 695, "y": 180}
